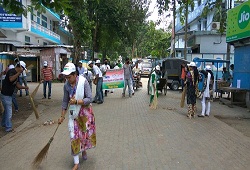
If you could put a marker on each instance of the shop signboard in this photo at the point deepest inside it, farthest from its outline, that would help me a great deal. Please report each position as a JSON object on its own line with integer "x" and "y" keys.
{"x": 238, "y": 23}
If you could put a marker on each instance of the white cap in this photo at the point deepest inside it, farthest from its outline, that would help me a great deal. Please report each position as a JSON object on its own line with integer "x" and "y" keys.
{"x": 208, "y": 67}
{"x": 192, "y": 64}
{"x": 11, "y": 66}
{"x": 69, "y": 68}
{"x": 90, "y": 62}
{"x": 45, "y": 63}
{"x": 98, "y": 62}
{"x": 22, "y": 64}
{"x": 80, "y": 61}
{"x": 157, "y": 67}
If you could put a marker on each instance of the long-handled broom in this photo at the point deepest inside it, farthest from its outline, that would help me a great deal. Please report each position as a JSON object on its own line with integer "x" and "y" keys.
{"x": 32, "y": 101}
{"x": 31, "y": 96}
{"x": 183, "y": 95}
{"x": 155, "y": 102}
{"x": 43, "y": 153}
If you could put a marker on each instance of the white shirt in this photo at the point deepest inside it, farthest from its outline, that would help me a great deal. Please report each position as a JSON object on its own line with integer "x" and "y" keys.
{"x": 97, "y": 71}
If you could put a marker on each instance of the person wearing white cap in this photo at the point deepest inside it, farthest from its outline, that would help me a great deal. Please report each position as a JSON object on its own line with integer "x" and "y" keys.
{"x": 191, "y": 82}
{"x": 10, "y": 82}
{"x": 80, "y": 68}
{"x": 22, "y": 78}
{"x": 89, "y": 76}
{"x": 104, "y": 69}
{"x": 206, "y": 95}
{"x": 98, "y": 82}
{"x": 47, "y": 76}
{"x": 153, "y": 84}
{"x": 77, "y": 103}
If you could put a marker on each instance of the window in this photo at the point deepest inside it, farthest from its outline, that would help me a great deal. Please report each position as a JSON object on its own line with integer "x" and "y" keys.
{"x": 44, "y": 21}
{"x": 50, "y": 24}
{"x": 44, "y": 43}
{"x": 38, "y": 20}
{"x": 31, "y": 14}
{"x": 27, "y": 39}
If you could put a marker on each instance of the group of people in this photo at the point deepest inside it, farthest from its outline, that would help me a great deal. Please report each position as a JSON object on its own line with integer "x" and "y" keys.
{"x": 190, "y": 80}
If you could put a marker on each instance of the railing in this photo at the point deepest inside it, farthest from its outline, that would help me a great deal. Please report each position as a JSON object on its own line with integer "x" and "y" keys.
{"x": 44, "y": 30}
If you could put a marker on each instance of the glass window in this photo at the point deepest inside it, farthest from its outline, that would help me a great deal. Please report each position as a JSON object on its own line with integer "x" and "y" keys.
{"x": 27, "y": 39}
{"x": 44, "y": 21}
{"x": 38, "y": 20}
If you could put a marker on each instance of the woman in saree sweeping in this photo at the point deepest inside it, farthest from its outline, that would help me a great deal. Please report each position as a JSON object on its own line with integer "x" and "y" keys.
{"x": 191, "y": 82}
{"x": 153, "y": 84}
{"x": 77, "y": 102}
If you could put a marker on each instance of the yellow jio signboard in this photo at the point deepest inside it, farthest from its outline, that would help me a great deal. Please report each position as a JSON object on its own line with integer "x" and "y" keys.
{"x": 238, "y": 22}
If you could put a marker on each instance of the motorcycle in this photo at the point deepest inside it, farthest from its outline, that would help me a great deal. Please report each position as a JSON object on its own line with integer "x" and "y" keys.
{"x": 137, "y": 80}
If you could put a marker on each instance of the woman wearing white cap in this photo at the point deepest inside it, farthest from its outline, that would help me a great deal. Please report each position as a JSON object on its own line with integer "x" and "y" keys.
{"x": 191, "y": 82}
{"x": 206, "y": 96}
{"x": 153, "y": 84}
{"x": 77, "y": 102}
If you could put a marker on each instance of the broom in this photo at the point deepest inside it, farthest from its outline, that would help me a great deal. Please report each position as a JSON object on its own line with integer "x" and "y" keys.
{"x": 43, "y": 153}
{"x": 183, "y": 95}
{"x": 32, "y": 101}
{"x": 35, "y": 91}
{"x": 155, "y": 102}
{"x": 31, "y": 98}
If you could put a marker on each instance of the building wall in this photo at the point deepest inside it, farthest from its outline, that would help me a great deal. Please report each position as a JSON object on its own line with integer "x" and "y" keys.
{"x": 212, "y": 43}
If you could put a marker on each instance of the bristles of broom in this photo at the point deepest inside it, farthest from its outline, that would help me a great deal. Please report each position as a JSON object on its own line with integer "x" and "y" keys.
{"x": 155, "y": 102}
{"x": 43, "y": 153}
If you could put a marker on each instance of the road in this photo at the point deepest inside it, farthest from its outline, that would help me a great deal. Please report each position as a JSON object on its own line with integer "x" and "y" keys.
{"x": 130, "y": 136}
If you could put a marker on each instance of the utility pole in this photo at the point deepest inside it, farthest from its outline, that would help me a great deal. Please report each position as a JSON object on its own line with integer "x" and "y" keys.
{"x": 173, "y": 30}
{"x": 228, "y": 44}
{"x": 186, "y": 25}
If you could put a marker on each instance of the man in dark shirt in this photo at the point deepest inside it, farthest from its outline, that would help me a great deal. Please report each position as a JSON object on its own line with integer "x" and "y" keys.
{"x": 8, "y": 87}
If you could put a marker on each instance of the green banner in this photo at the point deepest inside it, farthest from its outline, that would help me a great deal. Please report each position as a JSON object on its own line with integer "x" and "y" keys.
{"x": 113, "y": 79}
{"x": 238, "y": 22}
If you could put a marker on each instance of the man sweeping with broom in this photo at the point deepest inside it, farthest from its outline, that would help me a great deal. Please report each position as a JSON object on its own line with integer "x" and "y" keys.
{"x": 153, "y": 88}
{"x": 10, "y": 82}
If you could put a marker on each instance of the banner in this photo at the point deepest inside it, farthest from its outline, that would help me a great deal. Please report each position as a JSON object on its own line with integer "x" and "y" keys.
{"x": 113, "y": 79}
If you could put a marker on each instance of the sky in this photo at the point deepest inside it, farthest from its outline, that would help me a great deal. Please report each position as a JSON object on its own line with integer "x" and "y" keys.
{"x": 154, "y": 16}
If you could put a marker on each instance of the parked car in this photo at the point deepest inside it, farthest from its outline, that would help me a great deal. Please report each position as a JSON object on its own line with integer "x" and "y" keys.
{"x": 146, "y": 68}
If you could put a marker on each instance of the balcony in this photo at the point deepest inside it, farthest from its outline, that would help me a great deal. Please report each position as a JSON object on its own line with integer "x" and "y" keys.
{"x": 44, "y": 32}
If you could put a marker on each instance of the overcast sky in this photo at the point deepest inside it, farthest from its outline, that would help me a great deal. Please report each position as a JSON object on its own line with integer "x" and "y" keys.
{"x": 154, "y": 16}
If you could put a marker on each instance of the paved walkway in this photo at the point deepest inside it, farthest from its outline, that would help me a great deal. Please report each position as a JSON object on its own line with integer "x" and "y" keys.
{"x": 130, "y": 136}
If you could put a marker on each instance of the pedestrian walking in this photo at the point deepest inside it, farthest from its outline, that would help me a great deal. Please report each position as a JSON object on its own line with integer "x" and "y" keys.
{"x": 191, "y": 83}
{"x": 81, "y": 125}
{"x": 127, "y": 78}
{"x": 206, "y": 95}
{"x": 97, "y": 81}
{"x": 47, "y": 77}
{"x": 153, "y": 84}
{"x": 9, "y": 83}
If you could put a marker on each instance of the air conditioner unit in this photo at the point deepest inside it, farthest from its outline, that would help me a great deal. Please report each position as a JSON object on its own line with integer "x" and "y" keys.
{"x": 215, "y": 25}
